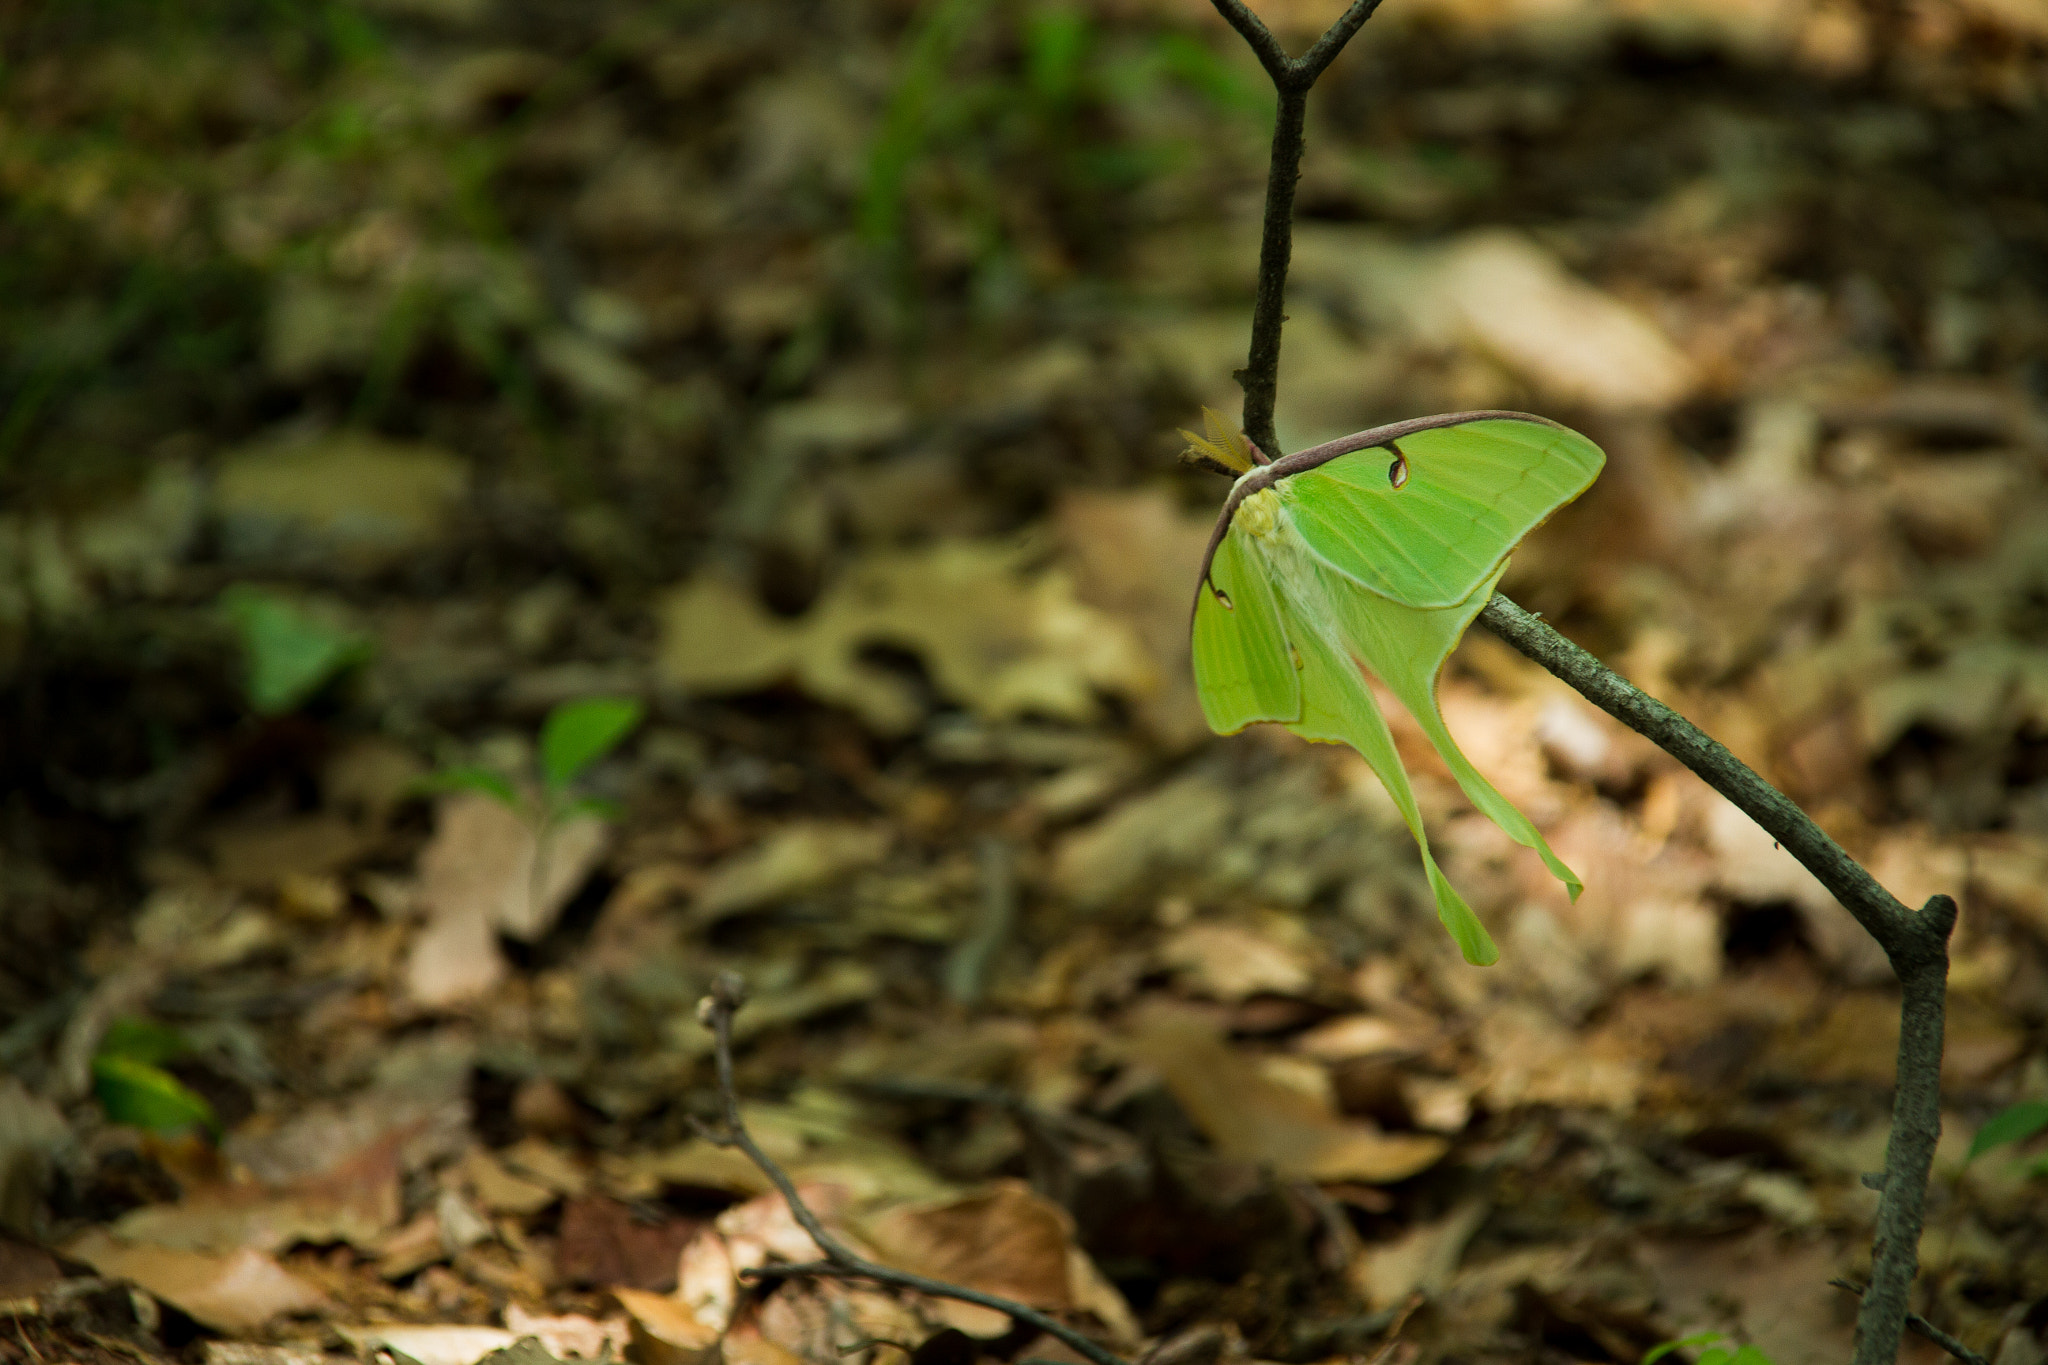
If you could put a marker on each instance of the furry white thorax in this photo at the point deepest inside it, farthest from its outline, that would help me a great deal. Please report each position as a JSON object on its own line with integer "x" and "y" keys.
{"x": 1259, "y": 514}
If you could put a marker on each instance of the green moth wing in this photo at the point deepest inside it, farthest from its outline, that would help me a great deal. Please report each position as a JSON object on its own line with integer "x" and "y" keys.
{"x": 1405, "y": 647}
{"x": 1428, "y": 516}
{"x": 1338, "y": 707}
{"x": 1368, "y": 558}
{"x": 1244, "y": 671}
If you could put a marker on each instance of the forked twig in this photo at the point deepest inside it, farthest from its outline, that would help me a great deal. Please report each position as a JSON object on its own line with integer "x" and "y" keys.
{"x": 715, "y": 1011}
{"x": 1915, "y": 942}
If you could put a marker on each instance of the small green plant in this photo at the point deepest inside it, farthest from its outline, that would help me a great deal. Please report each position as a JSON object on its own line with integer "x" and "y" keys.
{"x": 132, "y": 1086}
{"x": 288, "y": 652}
{"x": 1713, "y": 1355}
{"x": 575, "y": 735}
{"x": 2013, "y": 1124}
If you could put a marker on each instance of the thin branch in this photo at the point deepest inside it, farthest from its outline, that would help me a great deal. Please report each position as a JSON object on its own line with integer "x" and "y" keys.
{"x": 1258, "y": 37}
{"x": 1260, "y": 377}
{"x": 715, "y": 1011}
{"x": 1916, "y": 944}
{"x": 1292, "y": 77}
{"x": 1909, "y": 1152}
{"x": 1926, "y": 1329}
{"x": 1310, "y": 65}
{"x": 1876, "y": 909}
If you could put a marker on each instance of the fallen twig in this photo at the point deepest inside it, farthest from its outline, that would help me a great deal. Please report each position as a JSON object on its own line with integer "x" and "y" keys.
{"x": 715, "y": 1012}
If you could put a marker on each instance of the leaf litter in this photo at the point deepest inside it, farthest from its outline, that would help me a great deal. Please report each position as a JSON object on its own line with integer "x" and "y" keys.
{"x": 563, "y": 396}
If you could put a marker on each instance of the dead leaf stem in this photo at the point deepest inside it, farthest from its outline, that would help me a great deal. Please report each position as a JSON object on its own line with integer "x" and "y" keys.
{"x": 715, "y": 1011}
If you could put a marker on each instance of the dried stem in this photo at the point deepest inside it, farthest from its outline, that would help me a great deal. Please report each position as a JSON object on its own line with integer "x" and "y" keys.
{"x": 1915, "y": 942}
{"x": 715, "y": 1012}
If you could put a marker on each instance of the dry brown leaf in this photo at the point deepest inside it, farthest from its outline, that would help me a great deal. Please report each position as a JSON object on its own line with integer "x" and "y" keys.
{"x": 1174, "y": 825}
{"x": 707, "y": 1282}
{"x": 26, "y": 1271}
{"x": 764, "y": 1228}
{"x": 486, "y": 873}
{"x": 996, "y": 638}
{"x": 431, "y": 1343}
{"x": 2012, "y": 870}
{"x": 1252, "y": 1118}
{"x": 498, "y": 1190}
{"x": 257, "y": 854}
{"x": 1771, "y": 1290}
{"x": 355, "y": 1201}
{"x": 1517, "y": 301}
{"x": 795, "y": 858}
{"x": 1532, "y": 1060}
{"x": 1423, "y": 1258}
{"x": 602, "y": 1242}
{"x": 1006, "y": 1241}
{"x": 1230, "y": 962}
{"x": 748, "y": 1346}
{"x": 1350, "y": 1036}
{"x": 349, "y": 499}
{"x": 666, "y": 1332}
{"x": 239, "y": 1292}
{"x": 697, "y": 1164}
{"x": 571, "y": 1334}
{"x": 544, "y": 1164}
{"x": 1136, "y": 556}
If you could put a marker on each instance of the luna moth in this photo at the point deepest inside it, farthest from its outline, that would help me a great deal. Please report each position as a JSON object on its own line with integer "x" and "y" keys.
{"x": 1372, "y": 554}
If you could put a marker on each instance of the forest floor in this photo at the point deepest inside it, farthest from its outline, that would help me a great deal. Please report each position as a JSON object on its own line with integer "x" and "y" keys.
{"x": 382, "y": 377}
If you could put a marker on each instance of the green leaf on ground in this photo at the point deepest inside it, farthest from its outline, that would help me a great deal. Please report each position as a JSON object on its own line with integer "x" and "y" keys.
{"x": 2014, "y": 1123}
{"x": 144, "y": 1040}
{"x": 289, "y": 653}
{"x": 578, "y": 733}
{"x": 1713, "y": 1355}
{"x": 146, "y": 1096}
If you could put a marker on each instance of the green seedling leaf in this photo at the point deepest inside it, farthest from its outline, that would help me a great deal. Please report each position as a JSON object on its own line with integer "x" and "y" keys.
{"x": 578, "y": 733}
{"x": 146, "y": 1096}
{"x": 1714, "y": 1355}
{"x": 591, "y": 805}
{"x": 471, "y": 779}
{"x": 289, "y": 654}
{"x": 144, "y": 1040}
{"x": 1657, "y": 1353}
{"x": 1367, "y": 559}
{"x": 2014, "y": 1123}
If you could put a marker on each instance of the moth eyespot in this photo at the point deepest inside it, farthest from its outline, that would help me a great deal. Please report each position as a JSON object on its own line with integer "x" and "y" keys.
{"x": 1397, "y": 472}
{"x": 1224, "y": 598}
